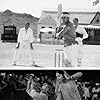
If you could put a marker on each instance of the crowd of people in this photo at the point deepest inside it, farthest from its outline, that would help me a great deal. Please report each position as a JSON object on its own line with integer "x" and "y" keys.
{"x": 42, "y": 86}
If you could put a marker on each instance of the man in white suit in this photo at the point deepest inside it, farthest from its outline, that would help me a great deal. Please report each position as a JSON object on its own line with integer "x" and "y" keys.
{"x": 81, "y": 34}
{"x": 25, "y": 40}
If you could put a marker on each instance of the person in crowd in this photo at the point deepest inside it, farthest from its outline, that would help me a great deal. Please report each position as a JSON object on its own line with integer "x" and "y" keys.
{"x": 2, "y": 86}
{"x": 25, "y": 40}
{"x": 67, "y": 32}
{"x": 66, "y": 88}
{"x": 44, "y": 92}
{"x": 86, "y": 94}
{"x": 96, "y": 92}
{"x": 81, "y": 34}
{"x": 32, "y": 90}
{"x": 21, "y": 85}
{"x": 80, "y": 89}
{"x": 9, "y": 92}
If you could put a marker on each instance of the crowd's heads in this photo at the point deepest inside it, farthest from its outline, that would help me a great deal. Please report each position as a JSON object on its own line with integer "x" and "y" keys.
{"x": 59, "y": 75}
{"x": 37, "y": 87}
{"x": 45, "y": 85}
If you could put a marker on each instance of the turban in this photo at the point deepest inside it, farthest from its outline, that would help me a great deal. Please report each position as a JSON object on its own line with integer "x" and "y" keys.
{"x": 65, "y": 15}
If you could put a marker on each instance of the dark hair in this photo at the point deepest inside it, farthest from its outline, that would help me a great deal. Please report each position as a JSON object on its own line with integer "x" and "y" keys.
{"x": 27, "y": 23}
{"x": 76, "y": 19}
{"x": 66, "y": 13}
{"x": 60, "y": 72}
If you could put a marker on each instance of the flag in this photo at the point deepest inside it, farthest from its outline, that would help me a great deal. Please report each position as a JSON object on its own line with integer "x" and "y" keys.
{"x": 95, "y": 2}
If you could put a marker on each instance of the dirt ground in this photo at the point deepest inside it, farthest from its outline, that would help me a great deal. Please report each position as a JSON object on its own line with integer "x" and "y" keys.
{"x": 44, "y": 55}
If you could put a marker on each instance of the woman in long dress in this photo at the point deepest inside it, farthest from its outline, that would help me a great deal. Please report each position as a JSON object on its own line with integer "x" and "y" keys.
{"x": 66, "y": 88}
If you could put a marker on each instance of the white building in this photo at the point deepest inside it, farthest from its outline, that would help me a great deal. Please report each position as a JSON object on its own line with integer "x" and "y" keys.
{"x": 44, "y": 22}
{"x": 89, "y": 20}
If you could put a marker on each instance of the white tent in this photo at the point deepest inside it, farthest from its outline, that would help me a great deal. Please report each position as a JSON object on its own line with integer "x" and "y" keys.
{"x": 47, "y": 30}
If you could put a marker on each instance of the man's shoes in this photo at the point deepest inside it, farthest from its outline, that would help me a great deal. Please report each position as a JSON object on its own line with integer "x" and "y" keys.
{"x": 34, "y": 65}
{"x": 14, "y": 64}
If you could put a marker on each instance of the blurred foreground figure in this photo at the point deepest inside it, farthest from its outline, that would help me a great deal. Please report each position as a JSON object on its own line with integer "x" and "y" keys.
{"x": 66, "y": 88}
{"x": 25, "y": 40}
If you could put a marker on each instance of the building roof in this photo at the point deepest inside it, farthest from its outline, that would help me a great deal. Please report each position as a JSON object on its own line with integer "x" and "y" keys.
{"x": 96, "y": 19}
{"x": 47, "y": 20}
{"x": 84, "y": 17}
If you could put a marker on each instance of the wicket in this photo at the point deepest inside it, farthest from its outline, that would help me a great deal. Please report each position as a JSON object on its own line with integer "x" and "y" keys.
{"x": 59, "y": 58}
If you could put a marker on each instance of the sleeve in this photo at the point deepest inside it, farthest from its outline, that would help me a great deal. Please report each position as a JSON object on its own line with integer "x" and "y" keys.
{"x": 31, "y": 36}
{"x": 85, "y": 35}
{"x": 65, "y": 29}
{"x": 77, "y": 75}
{"x": 59, "y": 88}
{"x": 19, "y": 36}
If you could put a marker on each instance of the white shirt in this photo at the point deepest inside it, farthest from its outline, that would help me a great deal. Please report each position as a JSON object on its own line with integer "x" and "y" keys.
{"x": 25, "y": 35}
{"x": 81, "y": 30}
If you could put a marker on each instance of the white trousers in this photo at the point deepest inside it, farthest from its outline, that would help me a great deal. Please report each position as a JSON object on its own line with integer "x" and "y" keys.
{"x": 24, "y": 51}
{"x": 80, "y": 51}
{"x": 80, "y": 45}
{"x": 70, "y": 55}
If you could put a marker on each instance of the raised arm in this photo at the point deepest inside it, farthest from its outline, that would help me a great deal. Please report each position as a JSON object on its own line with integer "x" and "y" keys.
{"x": 76, "y": 75}
{"x": 28, "y": 89}
{"x": 85, "y": 35}
{"x": 63, "y": 31}
{"x": 67, "y": 76}
{"x": 56, "y": 87}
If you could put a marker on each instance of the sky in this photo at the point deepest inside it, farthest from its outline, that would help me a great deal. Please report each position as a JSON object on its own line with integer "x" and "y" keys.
{"x": 35, "y": 7}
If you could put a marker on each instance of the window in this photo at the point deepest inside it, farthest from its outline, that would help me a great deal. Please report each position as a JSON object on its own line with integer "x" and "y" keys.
{"x": 42, "y": 27}
{"x": 50, "y": 27}
{"x": 50, "y": 32}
